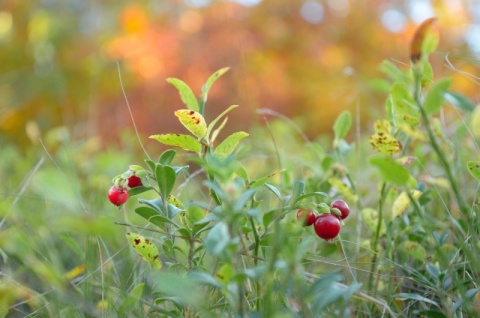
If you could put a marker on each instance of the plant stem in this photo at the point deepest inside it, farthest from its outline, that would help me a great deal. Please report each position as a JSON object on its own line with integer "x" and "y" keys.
{"x": 377, "y": 234}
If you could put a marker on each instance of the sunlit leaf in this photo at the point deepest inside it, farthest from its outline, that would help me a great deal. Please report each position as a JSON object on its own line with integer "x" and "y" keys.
{"x": 193, "y": 121}
{"x": 425, "y": 40}
{"x": 75, "y": 272}
{"x": 382, "y": 126}
{"x": 185, "y": 142}
{"x": 342, "y": 125}
{"x": 226, "y": 147}
{"x": 186, "y": 93}
{"x": 402, "y": 202}
{"x": 145, "y": 248}
{"x": 390, "y": 170}
{"x": 210, "y": 81}
{"x": 403, "y": 105}
{"x": 474, "y": 169}
{"x": 435, "y": 96}
{"x": 475, "y": 122}
{"x": 385, "y": 144}
{"x": 174, "y": 201}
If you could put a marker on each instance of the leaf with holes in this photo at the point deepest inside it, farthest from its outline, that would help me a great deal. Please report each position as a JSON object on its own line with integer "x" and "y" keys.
{"x": 145, "y": 249}
{"x": 186, "y": 94}
{"x": 185, "y": 142}
{"x": 193, "y": 121}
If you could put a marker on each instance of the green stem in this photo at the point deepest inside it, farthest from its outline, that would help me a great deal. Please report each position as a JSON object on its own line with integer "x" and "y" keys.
{"x": 436, "y": 147}
{"x": 381, "y": 199}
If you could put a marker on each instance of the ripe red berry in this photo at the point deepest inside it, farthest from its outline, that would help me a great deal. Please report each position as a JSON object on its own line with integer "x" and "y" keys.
{"x": 307, "y": 217}
{"x": 342, "y": 206}
{"x": 118, "y": 196}
{"x": 134, "y": 181}
{"x": 327, "y": 226}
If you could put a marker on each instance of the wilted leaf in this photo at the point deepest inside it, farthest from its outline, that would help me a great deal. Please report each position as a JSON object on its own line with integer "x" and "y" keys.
{"x": 193, "y": 121}
{"x": 185, "y": 142}
{"x": 226, "y": 147}
{"x": 145, "y": 249}
{"x": 474, "y": 169}
{"x": 425, "y": 40}
{"x": 385, "y": 144}
{"x": 186, "y": 93}
{"x": 402, "y": 202}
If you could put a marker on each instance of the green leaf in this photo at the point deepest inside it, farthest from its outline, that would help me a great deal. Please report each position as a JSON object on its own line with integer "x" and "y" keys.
{"x": 166, "y": 180}
{"x": 390, "y": 170}
{"x": 210, "y": 81}
{"x": 459, "y": 100}
{"x": 132, "y": 299}
{"x": 342, "y": 125}
{"x": 412, "y": 249}
{"x": 403, "y": 105}
{"x": 215, "y": 121}
{"x": 274, "y": 190}
{"x": 392, "y": 71}
{"x": 182, "y": 288}
{"x": 166, "y": 157}
{"x": 217, "y": 239}
{"x": 186, "y": 93}
{"x": 226, "y": 147}
{"x": 152, "y": 216}
{"x": 416, "y": 297}
{"x": 185, "y": 142}
{"x": 474, "y": 169}
{"x": 145, "y": 249}
{"x": 193, "y": 121}
{"x": 434, "y": 99}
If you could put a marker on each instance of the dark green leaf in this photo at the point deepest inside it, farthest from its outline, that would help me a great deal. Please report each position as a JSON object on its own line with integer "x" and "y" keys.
{"x": 166, "y": 157}
{"x": 166, "y": 179}
{"x": 153, "y": 216}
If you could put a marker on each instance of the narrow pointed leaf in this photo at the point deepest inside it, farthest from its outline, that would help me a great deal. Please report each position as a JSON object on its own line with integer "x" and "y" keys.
{"x": 210, "y": 81}
{"x": 185, "y": 142}
{"x": 214, "y": 122}
{"x": 193, "y": 121}
{"x": 186, "y": 94}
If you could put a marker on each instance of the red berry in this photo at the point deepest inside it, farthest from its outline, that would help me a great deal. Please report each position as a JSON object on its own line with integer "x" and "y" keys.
{"x": 134, "y": 181}
{"x": 342, "y": 206}
{"x": 118, "y": 196}
{"x": 307, "y": 217}
{"x": 327, "y": 226}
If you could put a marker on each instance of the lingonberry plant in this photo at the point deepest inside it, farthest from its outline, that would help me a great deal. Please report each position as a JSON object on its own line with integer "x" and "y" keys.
{"x": 227, "y": 240}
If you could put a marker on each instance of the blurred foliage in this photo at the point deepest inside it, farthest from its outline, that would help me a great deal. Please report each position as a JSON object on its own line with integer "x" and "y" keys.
{"x": 306, "y": 59}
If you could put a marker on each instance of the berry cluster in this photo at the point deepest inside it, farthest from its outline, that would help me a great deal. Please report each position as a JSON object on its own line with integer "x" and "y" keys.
{"x": 327, "y": 223}
{"x": 118, "y": 193}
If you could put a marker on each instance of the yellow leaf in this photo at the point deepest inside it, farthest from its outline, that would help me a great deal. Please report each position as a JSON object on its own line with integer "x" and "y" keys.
{"x": 415, "y": 133}
{"x": 402, "y": 202}
{"x": 76, "y": 271}
{"x": 382, "y": 126}
{"x": 145, "y": 248}
{"x": 193, "y": 121}
{"x": 385, "y": 143}
{"x": 344, "y": 189}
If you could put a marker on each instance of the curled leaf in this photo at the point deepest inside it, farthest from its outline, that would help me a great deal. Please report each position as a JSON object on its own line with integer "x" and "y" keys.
{"x": 425, "y": 40}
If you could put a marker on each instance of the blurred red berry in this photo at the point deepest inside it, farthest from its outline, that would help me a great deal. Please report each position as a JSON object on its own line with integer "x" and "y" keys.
{"x": 118, "y": 196}
{"x": 307, "y": 217}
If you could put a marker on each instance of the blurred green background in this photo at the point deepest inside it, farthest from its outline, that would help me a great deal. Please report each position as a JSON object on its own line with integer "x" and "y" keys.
{"x": 306, "y": 59}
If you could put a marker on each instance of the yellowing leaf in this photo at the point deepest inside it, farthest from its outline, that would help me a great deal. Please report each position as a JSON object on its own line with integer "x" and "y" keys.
{"x": 174, "y": 201}
{"x": 186, "y": 142}
{"x": 75, "y": 272}
{"x": 344, "y": 189}
{"x": 425, "y": 40}
{"x": 474, "y": 169}
{"x": 402, "y": 202}
{"x": 193, "y": 121}
{"x": 385, "y": 144}
{"x": 415, "y": 133}
{"x": 412, "y": 249}
{"x": 370, "y": 218}
{"x": 145, "y": 249}
{"x": 383, "y": 126}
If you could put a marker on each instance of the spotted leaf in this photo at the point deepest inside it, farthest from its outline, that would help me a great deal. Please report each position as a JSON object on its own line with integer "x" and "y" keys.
{"x": 145, "y": 249}
{"x": 193, "y": 121}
